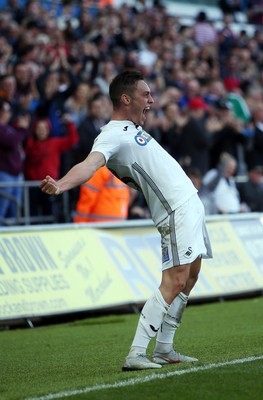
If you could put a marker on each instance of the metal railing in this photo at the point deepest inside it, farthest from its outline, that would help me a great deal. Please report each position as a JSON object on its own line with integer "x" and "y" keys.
{"x": 23, "y": 213}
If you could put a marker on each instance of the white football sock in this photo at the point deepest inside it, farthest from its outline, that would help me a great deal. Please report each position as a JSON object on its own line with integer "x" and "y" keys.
{"x": 149, "y": 323}
{"x": 172, "y": 321}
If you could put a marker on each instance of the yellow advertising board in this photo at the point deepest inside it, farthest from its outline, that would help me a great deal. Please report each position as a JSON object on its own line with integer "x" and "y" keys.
{"x": 232, "y": 269}
{"x": 54, "y": 271}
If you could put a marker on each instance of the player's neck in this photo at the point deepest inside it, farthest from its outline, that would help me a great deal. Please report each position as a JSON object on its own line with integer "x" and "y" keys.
{"x": 120, "y": 116}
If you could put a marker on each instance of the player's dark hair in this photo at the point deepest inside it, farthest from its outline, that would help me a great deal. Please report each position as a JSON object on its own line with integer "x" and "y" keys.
{"x": 124, "y": 83}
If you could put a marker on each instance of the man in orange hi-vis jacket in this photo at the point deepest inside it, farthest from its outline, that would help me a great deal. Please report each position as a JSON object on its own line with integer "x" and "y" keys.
{"x": 103, "y": 198}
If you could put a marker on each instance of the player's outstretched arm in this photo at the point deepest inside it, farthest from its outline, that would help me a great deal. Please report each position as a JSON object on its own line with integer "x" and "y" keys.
{"x": 76, "y": 176}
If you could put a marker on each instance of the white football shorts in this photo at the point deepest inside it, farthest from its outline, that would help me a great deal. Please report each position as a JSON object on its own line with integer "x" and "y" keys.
{"x": 184, "y": 235}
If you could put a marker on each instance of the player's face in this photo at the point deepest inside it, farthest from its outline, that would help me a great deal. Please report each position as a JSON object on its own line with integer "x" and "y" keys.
{"x": 141, "y": 103}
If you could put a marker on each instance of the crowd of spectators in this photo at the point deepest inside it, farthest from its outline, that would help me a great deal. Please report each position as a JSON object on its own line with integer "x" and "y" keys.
{"x": 57, "y": 59}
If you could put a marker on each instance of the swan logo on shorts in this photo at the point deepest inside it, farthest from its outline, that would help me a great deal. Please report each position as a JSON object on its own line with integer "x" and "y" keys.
{"x": 165, "y": 254}
{"x": 142, "y": 138}
{"x": 188, "y": 252}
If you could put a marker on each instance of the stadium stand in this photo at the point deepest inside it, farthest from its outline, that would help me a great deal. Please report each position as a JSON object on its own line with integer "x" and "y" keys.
{"x": 109, "y": 45}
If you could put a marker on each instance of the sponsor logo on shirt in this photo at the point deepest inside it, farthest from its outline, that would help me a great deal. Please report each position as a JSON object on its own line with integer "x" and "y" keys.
{"x": 142, "y": 138}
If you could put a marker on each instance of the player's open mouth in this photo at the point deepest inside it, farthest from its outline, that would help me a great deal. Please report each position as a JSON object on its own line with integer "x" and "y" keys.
{"x": 146, "y": 109}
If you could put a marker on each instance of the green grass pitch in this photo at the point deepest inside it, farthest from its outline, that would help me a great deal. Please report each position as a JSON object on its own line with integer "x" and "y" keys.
{"x": 82, "y": 359}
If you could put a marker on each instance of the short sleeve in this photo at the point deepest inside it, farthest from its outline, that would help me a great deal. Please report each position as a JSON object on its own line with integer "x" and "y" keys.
{"x": 106, "y": 144}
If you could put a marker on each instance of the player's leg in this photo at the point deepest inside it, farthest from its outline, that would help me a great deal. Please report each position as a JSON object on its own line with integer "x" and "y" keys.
{"x": 182, "y": 240}
{"x": 193, "y": 276}
{"x": 152, "y": 316}
{"x": 191, "y": 244}
{"x": 164, "y": 351}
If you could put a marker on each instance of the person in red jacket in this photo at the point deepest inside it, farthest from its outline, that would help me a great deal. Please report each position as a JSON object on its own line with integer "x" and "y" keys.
{"x": 43, "y": 153}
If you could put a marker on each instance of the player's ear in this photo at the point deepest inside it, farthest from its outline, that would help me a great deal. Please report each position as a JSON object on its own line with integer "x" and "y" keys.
{"x": 125, "y": 99}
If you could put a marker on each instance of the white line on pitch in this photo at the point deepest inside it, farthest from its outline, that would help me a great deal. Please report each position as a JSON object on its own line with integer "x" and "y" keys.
{"x": 134, "y": 381}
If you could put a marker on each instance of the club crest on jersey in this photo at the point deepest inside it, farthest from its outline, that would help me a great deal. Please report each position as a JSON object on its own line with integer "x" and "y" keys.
{"x": 142, "y": 138}
{"x": 165, "y": 254}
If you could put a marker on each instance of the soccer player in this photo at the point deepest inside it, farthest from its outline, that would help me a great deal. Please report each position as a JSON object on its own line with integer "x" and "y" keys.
{"x": 178, "y": 214}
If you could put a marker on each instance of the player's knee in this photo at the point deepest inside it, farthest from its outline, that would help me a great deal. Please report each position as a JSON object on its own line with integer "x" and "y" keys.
{"x": 172, "y": 289}
{"x": 178, "y": 286}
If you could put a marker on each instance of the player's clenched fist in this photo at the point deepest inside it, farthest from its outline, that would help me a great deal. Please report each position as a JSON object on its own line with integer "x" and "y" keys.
{"x": 49, "y": 186}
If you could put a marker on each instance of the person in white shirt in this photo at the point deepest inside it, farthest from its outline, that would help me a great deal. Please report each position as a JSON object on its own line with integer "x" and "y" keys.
{"x": 222, "y": 186}
{"x": 140, "y": 162}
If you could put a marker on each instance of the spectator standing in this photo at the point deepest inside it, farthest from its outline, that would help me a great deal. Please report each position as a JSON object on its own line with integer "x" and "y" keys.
{"x": 251, "y": 191}
{"x": 191, "y": 90}
{"x": 52, "y": 94}
{"x": 204, "y": 32}
{"x": 8, "y": 89}
{"x": 229, "y": 136}
{"x": 77, "y": 104}
{"x": 43, "y": 153}
{"x": 148, "y": 56}
{"x": 90, "y": 127}
{"x": 255, "y": 148}
{"x": 105, "y": 75}
{"x": 5, "y": 53}
{"x": 26, "y": 91}
{"x": 193, "y": 146}
{"x": 204, "y": 194}
{"x": 11, "y": 159}
{"x": 88, "y": 130}
{"x": 15, "y": 10}
{"x": 104, "y": 198}
{"x": 221, "y": 182}
{"x": 255, "y": 12}
{"x": 169, "y": 125}
{"x": 216, "y": 92}
{"x": 227, "y": 39}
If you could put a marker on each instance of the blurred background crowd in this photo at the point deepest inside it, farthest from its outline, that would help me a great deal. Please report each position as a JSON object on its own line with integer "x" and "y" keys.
{"x": 57, "y": 59}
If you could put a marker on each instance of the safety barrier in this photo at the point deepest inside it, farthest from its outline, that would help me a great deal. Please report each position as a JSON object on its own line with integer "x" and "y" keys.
{"x": 66, "y": 268}
{"x": 23, "y": 213}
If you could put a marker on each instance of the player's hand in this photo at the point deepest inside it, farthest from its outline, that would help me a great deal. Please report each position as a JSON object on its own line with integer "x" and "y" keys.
{"x": 50, "y": 186}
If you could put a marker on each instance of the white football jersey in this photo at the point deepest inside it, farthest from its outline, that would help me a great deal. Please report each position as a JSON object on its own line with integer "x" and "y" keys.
{"x": 137, "y": 159}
